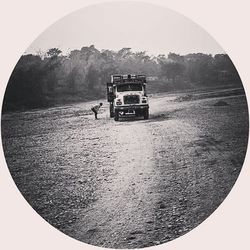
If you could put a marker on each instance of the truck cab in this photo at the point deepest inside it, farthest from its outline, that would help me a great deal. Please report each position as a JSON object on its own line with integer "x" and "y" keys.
{"x": 127, "y": 96}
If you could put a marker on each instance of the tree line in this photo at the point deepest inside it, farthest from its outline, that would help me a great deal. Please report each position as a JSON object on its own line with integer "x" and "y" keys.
{"x": 53, "y": 78}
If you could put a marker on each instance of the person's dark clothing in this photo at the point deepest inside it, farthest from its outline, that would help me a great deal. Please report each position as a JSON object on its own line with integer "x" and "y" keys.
{"x": 95, "y": 112}
{"x": 95, "y": 109}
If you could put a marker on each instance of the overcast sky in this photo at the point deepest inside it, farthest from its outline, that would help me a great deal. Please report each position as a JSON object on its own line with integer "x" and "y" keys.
{"x": 142, "y": 27}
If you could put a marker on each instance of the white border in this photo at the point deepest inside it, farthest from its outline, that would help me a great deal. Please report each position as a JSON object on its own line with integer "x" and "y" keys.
{"x": 22, "y": 21}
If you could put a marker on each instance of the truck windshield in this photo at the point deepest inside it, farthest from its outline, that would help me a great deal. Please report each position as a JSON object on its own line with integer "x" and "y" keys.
{"x": 129, "y": 87}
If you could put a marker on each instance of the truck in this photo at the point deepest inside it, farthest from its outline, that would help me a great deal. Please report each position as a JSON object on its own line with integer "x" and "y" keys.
{"x": 127, "y": 96}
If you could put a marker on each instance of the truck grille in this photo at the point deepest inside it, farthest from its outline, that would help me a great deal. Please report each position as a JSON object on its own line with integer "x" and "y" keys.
{"x": 131, "y": 99}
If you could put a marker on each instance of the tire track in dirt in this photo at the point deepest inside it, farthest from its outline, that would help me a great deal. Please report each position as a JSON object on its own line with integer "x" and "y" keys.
{"x": 118, "y": 219}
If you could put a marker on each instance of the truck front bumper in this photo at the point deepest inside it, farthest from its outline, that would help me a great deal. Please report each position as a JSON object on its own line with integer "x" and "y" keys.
{"x": 131, "y": 110}
{"x": 132, "y": 107}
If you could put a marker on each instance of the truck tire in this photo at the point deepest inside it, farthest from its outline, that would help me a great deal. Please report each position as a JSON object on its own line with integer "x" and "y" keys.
{"x": 116, "y": 118}
{"x": 146, "y": 114}
{"x": 111, "y": 113}
{"x": 111, "y": 110}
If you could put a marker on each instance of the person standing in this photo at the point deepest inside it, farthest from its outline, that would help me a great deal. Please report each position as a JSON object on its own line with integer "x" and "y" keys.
{"x": 95, "y": 109}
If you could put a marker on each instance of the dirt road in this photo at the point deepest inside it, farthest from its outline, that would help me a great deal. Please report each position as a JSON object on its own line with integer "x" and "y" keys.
{"x": 132, "y": 183}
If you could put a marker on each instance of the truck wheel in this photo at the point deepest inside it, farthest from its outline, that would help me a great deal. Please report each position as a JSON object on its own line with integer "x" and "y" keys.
{"x": 111, "y": 114}
{"x": 111, "y": 110}
{"x": 146, "y": 114}
{"x": 116, "y": 115}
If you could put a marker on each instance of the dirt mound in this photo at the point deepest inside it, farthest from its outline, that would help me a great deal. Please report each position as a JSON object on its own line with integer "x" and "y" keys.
{"x": 221, "y": 103}
{"x": 184, "y": 98}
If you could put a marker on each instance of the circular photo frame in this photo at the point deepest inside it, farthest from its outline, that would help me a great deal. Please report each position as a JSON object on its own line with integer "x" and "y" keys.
{"x": 125, "y": 125}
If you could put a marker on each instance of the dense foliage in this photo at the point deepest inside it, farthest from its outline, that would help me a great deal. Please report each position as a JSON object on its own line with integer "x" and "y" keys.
{"x": 45, "y": 80}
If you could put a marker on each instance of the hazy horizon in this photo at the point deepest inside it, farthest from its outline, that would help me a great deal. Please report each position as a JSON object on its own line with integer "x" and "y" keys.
{"x": 139, "y": 26}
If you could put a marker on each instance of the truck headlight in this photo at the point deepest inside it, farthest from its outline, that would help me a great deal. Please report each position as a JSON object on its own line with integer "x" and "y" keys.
{"x": 118, "y": 102}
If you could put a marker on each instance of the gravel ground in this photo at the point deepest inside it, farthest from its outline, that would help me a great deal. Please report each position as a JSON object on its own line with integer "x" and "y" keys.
{"x": 133, "y": 183}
